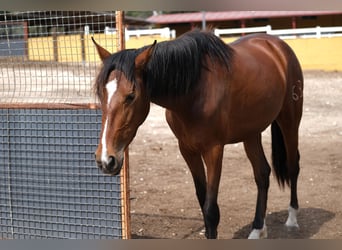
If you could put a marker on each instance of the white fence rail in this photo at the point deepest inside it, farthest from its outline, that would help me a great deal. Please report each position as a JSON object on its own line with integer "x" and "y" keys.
{"x": 317, "y": 32}
{"x": 163, "y": 32}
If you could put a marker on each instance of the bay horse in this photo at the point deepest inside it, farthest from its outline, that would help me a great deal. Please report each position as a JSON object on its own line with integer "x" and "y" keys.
{"x": 214, "y": 94}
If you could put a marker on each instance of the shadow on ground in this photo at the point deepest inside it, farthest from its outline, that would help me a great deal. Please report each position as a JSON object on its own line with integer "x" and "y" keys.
{"x": 310, "y": 221}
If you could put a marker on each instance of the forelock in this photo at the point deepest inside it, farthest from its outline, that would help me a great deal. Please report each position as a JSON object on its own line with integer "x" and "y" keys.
{"x": 122, "y": 62}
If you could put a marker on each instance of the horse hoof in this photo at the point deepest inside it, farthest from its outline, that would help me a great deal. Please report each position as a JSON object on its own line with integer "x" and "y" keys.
{"x": 291, "y": 224}
{"x": 202, "y": 232}
{"x": 258, "y": 233}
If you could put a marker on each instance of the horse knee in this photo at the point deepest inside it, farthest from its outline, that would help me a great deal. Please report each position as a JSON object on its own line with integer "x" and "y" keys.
{"x": 293, "y": 173}
{"x": 200, "y": 192}
{"x": 262, "y": 177}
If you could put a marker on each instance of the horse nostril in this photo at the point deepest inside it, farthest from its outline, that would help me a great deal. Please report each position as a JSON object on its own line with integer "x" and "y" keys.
{"x": 110, "y": 166}
{"x": 111, "y": 163}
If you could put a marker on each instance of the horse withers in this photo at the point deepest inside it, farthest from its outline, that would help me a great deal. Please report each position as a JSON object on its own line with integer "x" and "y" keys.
{"x": 214, "y": 94}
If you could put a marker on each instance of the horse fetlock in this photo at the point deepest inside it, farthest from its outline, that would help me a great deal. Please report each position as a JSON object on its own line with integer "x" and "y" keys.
{"x": 258, "y": 233}
{"x": 211, "y": 233}
{"x": 292, "y": 218}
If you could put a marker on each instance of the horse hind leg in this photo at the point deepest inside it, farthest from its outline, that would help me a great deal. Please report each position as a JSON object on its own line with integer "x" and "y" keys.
{"x": 288, "y": 126}
{"x": 293, "y": 176}
{"x": 261, "y": 170}
{"x": 293, "y": 172}
{"x": 286, "y": 163}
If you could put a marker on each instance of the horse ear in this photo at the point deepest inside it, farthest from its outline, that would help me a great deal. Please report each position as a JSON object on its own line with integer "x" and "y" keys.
{"x": 103, "y": 53}
{"x": 143, "y": 57}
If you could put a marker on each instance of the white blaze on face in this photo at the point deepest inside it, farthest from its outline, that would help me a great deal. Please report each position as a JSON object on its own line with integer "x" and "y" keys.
{"x": 110, "y": 88}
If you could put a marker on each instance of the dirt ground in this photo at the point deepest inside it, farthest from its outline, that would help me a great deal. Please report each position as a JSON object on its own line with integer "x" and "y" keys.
{"x": 163, "y": 201}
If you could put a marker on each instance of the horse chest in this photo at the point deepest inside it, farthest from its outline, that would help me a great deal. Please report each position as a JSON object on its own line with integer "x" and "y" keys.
{"x": 197, "y": 134}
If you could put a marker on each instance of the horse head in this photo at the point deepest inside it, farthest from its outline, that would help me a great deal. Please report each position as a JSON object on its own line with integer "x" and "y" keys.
{"x": 124, "y": 104}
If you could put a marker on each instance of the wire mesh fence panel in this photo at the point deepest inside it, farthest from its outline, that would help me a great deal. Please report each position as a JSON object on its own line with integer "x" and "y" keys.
{"x": 49, "y": 184}
{"x": 48, "y": 56}
{"x": 49, "y": 187}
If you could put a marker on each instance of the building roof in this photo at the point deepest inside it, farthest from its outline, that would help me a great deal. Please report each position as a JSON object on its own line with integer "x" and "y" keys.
{"x": 231, "y": 15}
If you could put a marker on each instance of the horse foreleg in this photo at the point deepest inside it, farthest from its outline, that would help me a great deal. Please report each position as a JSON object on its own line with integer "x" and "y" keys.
{"x": 195, "y": 164}
{"x": 261, "y": 169}
{"x": 211, "y": 212}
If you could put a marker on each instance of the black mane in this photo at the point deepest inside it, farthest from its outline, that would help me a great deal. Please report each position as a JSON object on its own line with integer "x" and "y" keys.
{"x": 175, "y": 66}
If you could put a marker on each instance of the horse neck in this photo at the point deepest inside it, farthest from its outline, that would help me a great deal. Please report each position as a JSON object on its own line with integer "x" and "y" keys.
{"x": 171, "y": 103}
{"x": 178, "y": 104}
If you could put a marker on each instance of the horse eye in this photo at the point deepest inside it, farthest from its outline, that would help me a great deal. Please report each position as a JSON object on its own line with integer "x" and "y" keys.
{"x": 130, "y": 98}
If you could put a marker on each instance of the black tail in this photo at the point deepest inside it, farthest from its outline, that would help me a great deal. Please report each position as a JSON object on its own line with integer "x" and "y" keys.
{"x": 279, "y": 155}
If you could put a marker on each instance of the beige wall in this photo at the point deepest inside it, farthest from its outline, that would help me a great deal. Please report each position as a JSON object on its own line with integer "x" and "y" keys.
{"x": 313, "y": 53}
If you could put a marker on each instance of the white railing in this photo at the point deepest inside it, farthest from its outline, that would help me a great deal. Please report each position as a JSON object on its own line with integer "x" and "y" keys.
{"x": 219, "y": 32}
{"x": 163, "y": 32}
{"x": 317, "y": 32}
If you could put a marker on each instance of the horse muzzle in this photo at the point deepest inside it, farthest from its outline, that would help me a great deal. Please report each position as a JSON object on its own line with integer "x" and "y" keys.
{"x": 112, "y": 166}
